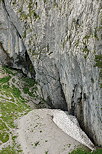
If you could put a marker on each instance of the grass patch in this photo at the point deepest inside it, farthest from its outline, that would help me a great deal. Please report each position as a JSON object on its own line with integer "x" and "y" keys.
{"x": 26, "y": 91}
{"x": 29, "y": 82}
{"x": 30, "y": 87}
{"x": 82, "y": 151}
{"x": 5, "y": 79}
{"x": 98, "y": 60}
{"x": 16, "y": 92}
{"x": 4, "y": 137}
{"x": 3, "y": 126}
{"x": 8, "y": 70}
{"x": 8, "y": 150}
{"x": 12, "y": 106}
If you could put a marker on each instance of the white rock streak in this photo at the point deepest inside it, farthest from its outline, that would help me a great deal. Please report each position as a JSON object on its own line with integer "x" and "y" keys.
{"x": 38, "y": 132}
{"x": 64, "y": 122}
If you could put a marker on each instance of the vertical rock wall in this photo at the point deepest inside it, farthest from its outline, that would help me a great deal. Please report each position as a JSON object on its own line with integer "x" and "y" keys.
{"x": 12, "y": 49}
{"x": 64, "y": 41}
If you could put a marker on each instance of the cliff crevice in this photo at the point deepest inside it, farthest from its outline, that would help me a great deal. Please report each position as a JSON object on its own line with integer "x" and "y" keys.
{"x": 63, "y": 39}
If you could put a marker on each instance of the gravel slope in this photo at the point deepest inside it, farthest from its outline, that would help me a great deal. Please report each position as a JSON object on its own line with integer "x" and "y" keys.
{"x": 41, "y": 131}
{"x": 38, "y": 134}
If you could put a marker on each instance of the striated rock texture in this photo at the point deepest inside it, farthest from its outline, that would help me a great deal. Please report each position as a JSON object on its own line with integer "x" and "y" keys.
{"x": 12, "y": 49}
{"x": 64, "y": 41}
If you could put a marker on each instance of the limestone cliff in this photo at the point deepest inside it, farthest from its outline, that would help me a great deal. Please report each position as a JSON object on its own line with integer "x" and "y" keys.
{"x": 63, "y": 39}
{"x": 12, "y": 49}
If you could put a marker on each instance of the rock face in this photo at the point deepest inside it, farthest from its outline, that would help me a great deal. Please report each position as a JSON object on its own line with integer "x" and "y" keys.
{"x": 12, "y": 49}
{"x": 64, "y": 41}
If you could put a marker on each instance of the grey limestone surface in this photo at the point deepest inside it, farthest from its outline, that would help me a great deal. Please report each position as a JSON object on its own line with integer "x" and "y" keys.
{"x": 62, "y": 38}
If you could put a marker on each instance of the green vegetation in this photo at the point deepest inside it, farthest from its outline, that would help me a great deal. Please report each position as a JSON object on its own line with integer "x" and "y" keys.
{"x": 12, "y": 106}
{"x": 8, "y": 150}
{"x": 86, "y": 37}
{"x": 77, "y": 43}
{"x": 32, "y": 15}
{"x": 29, "y": 82}
{"x": 4, "y": 137}
{"x": 9, "y": 71}
{"x": 86, "y": 51}
{"x": 44, "y": 1}
{"x": 98, "y": 60}
{"x": 82, "y": 151}
{"x": 5, "y": 79}
{"x": 85, "y": 43}
{"x": 28, "y": 87}
{"x": 26, "y": 91}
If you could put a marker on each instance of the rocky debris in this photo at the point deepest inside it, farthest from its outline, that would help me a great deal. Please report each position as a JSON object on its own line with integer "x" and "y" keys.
{"x": 38, "y": 133}
{"x": 70, "y": 126}
{"x": 35, "y": 132}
